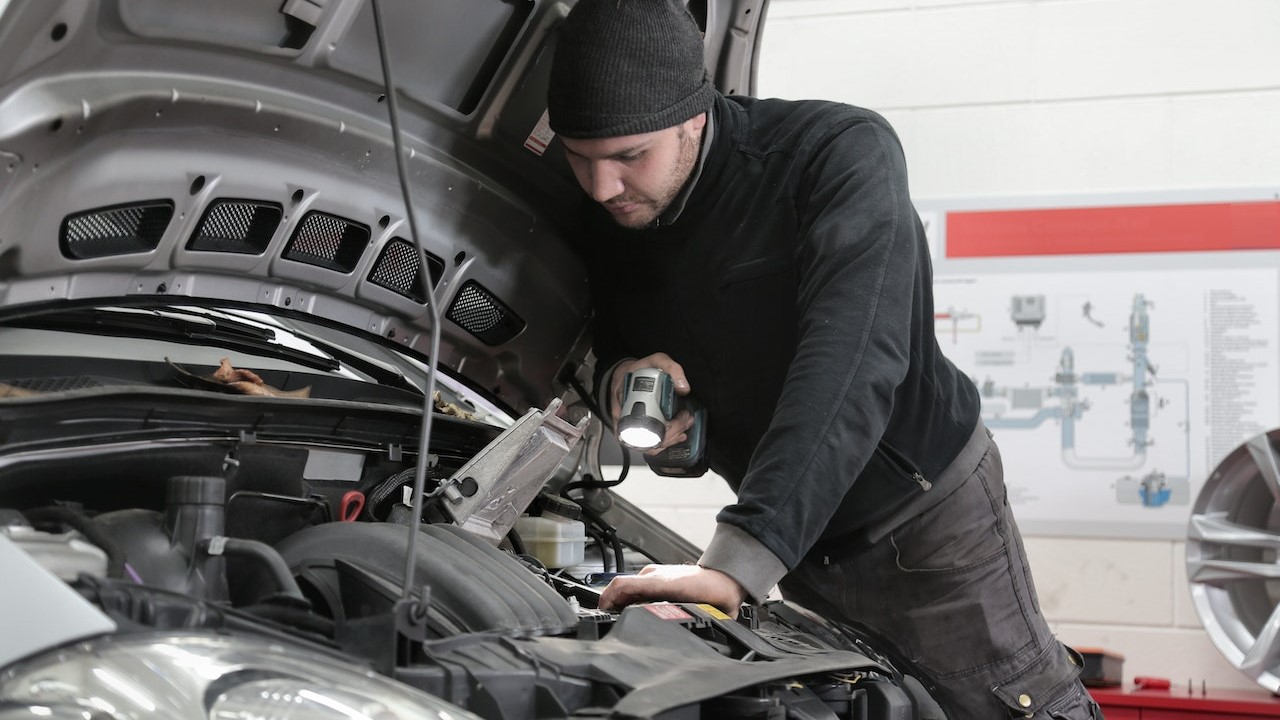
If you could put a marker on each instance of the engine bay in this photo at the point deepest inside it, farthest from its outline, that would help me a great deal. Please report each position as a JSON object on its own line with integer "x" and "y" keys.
{"x": 226, "y": 530}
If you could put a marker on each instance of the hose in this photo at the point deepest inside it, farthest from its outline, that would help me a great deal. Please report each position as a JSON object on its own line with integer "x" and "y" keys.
{"x": 78, "y": 521}
{"x": 264, "y": 553}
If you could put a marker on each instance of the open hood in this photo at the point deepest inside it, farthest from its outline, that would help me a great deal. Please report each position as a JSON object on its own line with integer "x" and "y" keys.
{"x": 239, "y": 154}
{"x": 214, "y": 496}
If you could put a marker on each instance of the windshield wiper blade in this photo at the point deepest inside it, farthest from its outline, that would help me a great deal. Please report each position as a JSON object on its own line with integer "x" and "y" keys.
{"x": 176, "y": 326}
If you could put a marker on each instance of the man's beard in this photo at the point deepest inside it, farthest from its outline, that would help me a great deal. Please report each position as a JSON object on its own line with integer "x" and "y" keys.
{"x": 653, "y": 209}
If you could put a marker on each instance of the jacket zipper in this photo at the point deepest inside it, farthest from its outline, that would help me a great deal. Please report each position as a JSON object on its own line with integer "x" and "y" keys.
{"x": 900, "y": 462}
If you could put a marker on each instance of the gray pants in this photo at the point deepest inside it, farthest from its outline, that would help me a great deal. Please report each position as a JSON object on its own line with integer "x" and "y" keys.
{"x": 950, "y": 590}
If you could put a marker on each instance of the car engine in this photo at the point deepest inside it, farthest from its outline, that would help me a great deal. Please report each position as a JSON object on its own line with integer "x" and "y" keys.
{"x": 223, "y": 531}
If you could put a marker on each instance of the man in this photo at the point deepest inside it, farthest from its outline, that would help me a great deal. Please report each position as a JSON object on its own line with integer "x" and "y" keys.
{"x": 766, "y": 254}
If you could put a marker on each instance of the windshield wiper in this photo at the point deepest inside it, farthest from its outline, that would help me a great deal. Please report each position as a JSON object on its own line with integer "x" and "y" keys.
{"x": 176, "y": 326}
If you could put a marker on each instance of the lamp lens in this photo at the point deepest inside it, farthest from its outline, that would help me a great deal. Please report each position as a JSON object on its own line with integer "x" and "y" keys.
{"x": 639, "y": 437}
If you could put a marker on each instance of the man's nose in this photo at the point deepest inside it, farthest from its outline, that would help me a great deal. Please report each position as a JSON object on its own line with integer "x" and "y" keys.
{"x": 606, "y": 183}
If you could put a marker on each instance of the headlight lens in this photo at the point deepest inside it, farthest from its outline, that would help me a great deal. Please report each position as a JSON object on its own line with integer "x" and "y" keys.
{"x": 212, "y": 678}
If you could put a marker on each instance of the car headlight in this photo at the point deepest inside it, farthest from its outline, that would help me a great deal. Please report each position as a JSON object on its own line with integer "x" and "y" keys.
{"x": 209, "y": 677}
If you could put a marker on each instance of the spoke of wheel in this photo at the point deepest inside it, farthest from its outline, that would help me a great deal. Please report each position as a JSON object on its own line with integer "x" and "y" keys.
{"x": 1265, "y": 653}
{"x": 1260, "y": 448}
{"x": 1215, "y": 528}
{"x": 1219, "y": 571}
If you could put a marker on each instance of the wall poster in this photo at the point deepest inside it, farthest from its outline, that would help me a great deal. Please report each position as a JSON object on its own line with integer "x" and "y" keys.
{"x": 1122, "y": 346}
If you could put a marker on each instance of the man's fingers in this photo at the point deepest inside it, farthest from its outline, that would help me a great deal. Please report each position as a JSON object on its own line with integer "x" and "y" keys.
{"x": 624, "y": 591}
{"x": 677, "y": 432}
{"x": 661, "y": 447}
{"x": 676, "y": 583}
{"x": 617, "y": 388}
{"x": 663, "y": 362}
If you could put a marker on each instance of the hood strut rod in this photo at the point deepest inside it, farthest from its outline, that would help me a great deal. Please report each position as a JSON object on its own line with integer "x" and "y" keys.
{"x": 433, "y": 306}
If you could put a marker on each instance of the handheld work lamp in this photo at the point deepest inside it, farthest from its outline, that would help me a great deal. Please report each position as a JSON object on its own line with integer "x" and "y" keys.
{"x": 648, "y": 402}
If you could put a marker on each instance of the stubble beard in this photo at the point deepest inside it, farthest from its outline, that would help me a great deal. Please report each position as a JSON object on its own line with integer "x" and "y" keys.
{"x": 685, "y": 161}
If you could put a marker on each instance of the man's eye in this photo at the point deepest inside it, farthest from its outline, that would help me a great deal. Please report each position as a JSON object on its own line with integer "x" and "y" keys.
{"x": 632, "y": 157}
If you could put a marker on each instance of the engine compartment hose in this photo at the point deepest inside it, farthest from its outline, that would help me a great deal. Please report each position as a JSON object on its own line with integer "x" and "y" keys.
{"x": 260, "y": 551}
{"x": 78, "y": 521}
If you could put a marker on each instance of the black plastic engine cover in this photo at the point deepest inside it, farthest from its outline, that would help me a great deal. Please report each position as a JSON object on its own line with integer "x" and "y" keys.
{"x": 474, "y": 587}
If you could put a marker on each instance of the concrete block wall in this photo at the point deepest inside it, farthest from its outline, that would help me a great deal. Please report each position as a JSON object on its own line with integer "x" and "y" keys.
{"x": 1016, "y": 98}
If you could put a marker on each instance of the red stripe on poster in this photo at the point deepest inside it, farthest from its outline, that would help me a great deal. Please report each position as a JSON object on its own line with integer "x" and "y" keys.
{"x": 1107, "y": 230}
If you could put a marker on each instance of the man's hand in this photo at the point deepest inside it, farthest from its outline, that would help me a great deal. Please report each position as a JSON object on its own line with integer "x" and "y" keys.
{"x": 678, "y": 426}
{"x": 677, "y": 583}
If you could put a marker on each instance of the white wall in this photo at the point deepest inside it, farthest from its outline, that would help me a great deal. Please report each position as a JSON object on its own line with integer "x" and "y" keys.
{"x": 1012, "y": 98}
{"x": 1020, "y": 98}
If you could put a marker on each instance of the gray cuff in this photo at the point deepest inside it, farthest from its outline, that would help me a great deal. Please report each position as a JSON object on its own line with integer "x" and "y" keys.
{"x": 737, "y": 554}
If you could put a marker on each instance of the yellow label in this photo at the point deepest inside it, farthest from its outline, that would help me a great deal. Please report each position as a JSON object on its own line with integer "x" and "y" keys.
{"x": 713, "y": 611}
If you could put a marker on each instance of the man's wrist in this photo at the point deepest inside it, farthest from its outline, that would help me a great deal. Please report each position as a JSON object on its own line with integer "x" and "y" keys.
{"x": 738, "y": 554}
{"x": 735, "y": 593}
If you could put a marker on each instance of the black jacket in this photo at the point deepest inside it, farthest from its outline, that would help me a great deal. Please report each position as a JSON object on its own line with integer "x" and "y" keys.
{"x": 795, "y": 289}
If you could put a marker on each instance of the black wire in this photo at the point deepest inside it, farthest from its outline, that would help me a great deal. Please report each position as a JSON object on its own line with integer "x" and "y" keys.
{"x": 604, "y": 556}
{"x": 386, "y": 489}
{"x": 517, "y": 542}
{"x": 640, "y": 550}
{"x": 92, "y": 532}
{"x": 589, "y": 482}
{"x": 620, "y": 559}
{"x": 588, "y": 399}
{"x": 603, "y": 532}
{"x": 534, "y": 564}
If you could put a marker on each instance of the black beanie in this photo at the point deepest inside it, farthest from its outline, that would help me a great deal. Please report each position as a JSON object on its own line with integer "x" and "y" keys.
{"x": 625, "y": 67}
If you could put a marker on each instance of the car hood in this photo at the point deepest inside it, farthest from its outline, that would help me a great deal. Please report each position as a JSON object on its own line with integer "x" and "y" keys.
{"x": 241, "y": 153}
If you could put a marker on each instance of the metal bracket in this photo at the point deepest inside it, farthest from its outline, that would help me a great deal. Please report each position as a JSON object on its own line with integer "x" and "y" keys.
{"x": 511, "y": 470}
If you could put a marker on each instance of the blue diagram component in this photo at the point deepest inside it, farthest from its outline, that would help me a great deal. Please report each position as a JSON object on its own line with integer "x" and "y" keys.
{"x": 1154, "y": 491}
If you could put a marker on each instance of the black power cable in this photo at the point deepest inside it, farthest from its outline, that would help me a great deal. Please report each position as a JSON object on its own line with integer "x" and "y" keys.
{"x": 572, "y": 379}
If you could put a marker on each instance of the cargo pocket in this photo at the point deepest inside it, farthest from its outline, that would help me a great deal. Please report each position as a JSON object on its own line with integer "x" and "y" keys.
{"x": 949, "y": 584}
{"x": 1047, "y": 688}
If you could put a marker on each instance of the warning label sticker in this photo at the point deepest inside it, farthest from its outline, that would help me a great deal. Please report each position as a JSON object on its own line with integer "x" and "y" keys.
{"x": 667, "y": 611}
{"x": 541, "y": 136}
{"x": 714, "y": 611}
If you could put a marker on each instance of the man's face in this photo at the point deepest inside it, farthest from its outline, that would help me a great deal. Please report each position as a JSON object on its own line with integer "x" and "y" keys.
{"x": 636, "y": 177}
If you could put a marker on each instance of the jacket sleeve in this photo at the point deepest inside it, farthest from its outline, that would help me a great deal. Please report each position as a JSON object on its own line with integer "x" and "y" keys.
{"x": 856, "y": 268}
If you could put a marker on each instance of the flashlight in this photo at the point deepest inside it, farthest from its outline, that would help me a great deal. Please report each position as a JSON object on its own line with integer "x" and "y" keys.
{"x": 649, "y": 401}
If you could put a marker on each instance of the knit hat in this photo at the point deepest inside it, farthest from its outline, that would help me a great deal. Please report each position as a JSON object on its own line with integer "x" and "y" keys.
{"x": 625, "y": 67}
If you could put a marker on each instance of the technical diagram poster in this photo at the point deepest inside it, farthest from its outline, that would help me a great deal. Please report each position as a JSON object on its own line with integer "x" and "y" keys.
{"x": 1114, "y": 381}
{"x": 1113, "y": 395}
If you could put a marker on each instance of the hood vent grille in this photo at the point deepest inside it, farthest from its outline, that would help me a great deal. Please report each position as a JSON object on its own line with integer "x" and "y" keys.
{"x": 236, "y": 226}
{"x": 482, "y": 314}
{"x": 327, "y": 241}
{"x": 115, "y": 230}
{"x": 398, "y": 269}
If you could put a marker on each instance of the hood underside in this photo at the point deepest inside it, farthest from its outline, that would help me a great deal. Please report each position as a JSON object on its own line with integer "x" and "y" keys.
{"x": 241, "y": 153}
